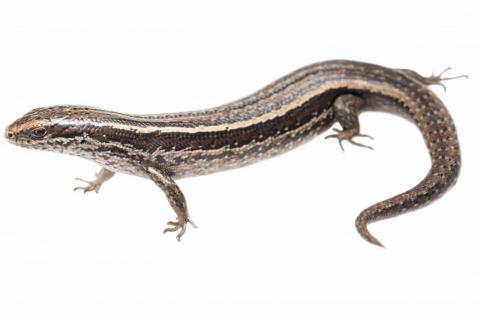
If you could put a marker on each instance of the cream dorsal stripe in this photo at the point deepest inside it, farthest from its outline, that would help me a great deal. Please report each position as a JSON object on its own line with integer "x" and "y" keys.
{"x": 149, "y": 126}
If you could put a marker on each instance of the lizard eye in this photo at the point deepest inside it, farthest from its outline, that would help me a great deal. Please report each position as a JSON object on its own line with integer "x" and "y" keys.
{"x": 38, "y": 133}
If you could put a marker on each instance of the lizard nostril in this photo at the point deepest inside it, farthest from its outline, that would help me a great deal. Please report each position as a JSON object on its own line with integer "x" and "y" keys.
{"x": 10, "y": 135}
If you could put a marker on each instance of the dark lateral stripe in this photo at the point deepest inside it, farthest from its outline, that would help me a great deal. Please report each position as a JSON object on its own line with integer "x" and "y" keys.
{"x": 239, "y": 137}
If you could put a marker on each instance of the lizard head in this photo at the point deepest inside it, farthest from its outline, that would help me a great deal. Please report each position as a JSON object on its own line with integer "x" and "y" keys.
{"x": 91, "y": 133}
{"x": 48, "y": 129}
{"x": 32, "y": 130}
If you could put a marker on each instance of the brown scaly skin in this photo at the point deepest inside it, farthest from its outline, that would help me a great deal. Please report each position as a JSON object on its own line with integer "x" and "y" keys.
{"x": 275, "y": 119}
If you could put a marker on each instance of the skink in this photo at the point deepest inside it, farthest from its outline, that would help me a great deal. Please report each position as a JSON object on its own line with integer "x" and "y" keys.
{"x": 281, "y": 116}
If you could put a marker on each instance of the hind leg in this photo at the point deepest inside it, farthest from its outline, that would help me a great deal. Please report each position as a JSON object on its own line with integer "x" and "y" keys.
{"x": 347, "y": 107}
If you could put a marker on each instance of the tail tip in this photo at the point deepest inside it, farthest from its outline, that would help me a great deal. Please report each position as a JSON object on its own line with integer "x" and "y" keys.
{"x": 363, "y": 231}
{"x": 375, "y": 241}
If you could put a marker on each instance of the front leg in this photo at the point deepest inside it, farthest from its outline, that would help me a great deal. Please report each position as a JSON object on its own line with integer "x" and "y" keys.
{"x": 175, "y": 198}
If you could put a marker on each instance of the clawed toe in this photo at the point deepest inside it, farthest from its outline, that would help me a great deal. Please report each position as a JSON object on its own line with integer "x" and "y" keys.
{"x": 348, "y": 135}
{"x": 359, "y": 144}
{"x": 91, "y": 186}
{"x": 365, "y": 136}
{"x": 179, "y": 225}
{"x": 95, "y": 185}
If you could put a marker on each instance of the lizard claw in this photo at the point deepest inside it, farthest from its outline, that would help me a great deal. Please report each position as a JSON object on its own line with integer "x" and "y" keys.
{"x": 91, "y": 186}
{"x": 437, "y": 79}
{"x": 95, "y": 185}
{"x": 348, "y": 135}
{"x": 179, "y": 225}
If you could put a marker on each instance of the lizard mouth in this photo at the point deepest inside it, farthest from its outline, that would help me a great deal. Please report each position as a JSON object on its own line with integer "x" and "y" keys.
{"x": 17, "y": 139}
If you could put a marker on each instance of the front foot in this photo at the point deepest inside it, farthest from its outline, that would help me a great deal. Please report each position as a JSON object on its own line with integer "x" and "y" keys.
{"x": 179, "y": 225}
{"x": 348, "y": 135}
{"x": 91, "y": 186}
{"x": 95, "y": 185}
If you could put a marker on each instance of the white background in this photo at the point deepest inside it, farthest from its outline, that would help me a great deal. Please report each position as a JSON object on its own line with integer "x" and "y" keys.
{"x": 276, "y": 240}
